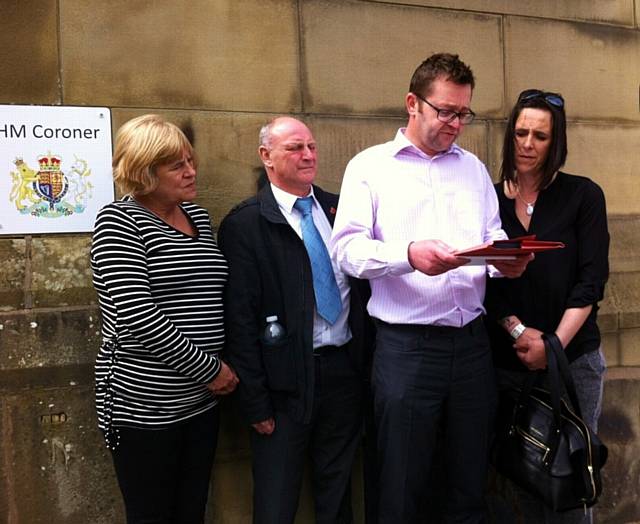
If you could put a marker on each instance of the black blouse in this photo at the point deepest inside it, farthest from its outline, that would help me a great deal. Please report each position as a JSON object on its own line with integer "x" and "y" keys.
{"x": 571, "y": 210}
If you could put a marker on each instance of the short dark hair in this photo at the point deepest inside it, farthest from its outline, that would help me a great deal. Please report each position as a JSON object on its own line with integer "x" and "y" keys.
{"x": 558, "y": 149}
{"x": 440, "y": 65}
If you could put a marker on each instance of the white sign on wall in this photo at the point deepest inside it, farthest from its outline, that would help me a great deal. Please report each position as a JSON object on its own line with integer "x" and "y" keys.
{"x": 55, "y": 168}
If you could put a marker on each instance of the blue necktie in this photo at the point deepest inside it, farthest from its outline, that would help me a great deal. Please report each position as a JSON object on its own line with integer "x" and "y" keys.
{"x": 325, "y": 288}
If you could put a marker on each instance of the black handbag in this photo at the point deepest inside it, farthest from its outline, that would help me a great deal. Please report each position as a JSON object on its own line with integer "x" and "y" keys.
{"x": 542, "y": 443}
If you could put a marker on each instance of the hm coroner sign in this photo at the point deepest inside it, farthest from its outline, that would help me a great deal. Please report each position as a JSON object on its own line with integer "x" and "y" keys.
{"x": 55, "y": 168}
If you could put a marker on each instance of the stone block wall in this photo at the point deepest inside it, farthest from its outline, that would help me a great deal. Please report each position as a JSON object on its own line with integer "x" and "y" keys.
{"x": 223, "y": 67}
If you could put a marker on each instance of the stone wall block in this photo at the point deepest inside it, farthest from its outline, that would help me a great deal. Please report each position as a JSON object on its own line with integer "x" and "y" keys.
{"x": 12, "y": 273}
{"x": 630, "y": 347}
{"x": 624, "y": 292}
{"x": 624, "y": 250}
{"x": 570, "y": 56}
{"x": 619, "y": 12}
{"x": 227, "y": 148}
{"x": 619, "y": 429}
{"x": 476, "y": 140}
{"x": 230, "y": 494}
{"x": 367, "y": 71}
{"x": 29, "y": 53}
{"x": 608, "y": 154}
{"x": 55, "y": 466}
{"x": 216, "y": 55}
{"x": 45, "y": 339}
{"x": 611, "y": 348}
{"x": 608, "y": 313}
{"x": 495, "y": 141}
{"x": 61, "y": 274}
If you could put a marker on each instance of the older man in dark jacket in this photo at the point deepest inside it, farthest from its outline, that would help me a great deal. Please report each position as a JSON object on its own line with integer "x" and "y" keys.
{"x": 302, "y": 395}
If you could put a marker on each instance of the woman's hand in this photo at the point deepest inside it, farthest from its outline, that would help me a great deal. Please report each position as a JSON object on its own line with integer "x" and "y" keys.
{"x": 530, "y": 349}
{"x": 225, "y": 382}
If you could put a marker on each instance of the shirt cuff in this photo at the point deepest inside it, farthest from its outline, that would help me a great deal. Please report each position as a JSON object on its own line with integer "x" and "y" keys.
{"x": 397, "y": 257}
{"x": 493, "y": 272}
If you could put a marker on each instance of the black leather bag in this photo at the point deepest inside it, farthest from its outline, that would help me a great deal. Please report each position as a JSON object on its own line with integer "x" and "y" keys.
{"x": 542, "y": 443}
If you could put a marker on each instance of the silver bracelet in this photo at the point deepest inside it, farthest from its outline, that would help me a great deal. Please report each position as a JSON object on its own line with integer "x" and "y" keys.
{"x": 517, "y": 331}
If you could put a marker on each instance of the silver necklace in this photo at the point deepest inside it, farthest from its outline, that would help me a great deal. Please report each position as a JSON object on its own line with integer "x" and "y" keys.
{"x": 530, "y": 205}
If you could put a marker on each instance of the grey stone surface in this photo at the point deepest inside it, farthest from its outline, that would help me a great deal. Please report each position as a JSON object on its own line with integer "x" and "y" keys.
{"x": 60, "y": 271}
{"x": 12, "y": 273}
{"x": 629, "y": 346}
{"x": 55, "y": 468}
{"x": 44, "y": 339}
{"x": 29, "y": 63}
{"x": 625, "y": 242}
{"x": 596, "y": 67}
{"x": 609, "y": 155}
{"x": 209, "y": 55}
{"x": 624, "y": 292}
{"x": 368, "y": 71}
{"x": 618, "y": 12}
{"x": 611, "y": 348}
{"x": 620, "y": 430}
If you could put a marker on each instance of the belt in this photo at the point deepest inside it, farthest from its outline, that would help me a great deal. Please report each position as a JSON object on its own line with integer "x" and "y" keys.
{"x": 472, "y": 328}
{"x": 323, "y": 351}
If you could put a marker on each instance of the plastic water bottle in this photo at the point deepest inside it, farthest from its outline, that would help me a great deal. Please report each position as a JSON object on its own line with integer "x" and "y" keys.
{"x": 273, "y": 331}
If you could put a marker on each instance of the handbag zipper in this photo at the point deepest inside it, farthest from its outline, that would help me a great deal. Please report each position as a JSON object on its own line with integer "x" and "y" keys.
{"x": 588, "y": 439}
{"x": 535, "y": 442}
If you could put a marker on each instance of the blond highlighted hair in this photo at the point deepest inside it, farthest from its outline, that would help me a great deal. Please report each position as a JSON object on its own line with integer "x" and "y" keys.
{"x": 142, "y": 144}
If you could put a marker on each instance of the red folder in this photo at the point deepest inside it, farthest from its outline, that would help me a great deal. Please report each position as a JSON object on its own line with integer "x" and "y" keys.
{"x": 509, "y": 248}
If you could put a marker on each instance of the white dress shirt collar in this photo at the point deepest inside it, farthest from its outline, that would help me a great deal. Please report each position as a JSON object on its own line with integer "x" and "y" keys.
{"x": 402, "y": 143}
{"x": 287, "y": 200}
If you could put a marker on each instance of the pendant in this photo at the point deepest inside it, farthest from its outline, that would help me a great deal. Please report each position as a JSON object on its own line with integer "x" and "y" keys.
{"x": 529, "y": 209}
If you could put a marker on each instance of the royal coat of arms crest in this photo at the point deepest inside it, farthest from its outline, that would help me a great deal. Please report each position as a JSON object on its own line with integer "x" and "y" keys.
{"x": 49, "y": 192}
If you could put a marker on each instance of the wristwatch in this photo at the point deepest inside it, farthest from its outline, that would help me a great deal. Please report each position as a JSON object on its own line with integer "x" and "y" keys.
{"x": 517, "y": 331}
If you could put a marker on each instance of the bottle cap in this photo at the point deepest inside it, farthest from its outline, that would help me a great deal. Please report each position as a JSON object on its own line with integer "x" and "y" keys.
{"x": 272, "y": 318}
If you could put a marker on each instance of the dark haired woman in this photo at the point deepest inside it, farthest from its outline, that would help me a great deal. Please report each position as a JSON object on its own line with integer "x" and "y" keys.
{"x": 559, "y": 291}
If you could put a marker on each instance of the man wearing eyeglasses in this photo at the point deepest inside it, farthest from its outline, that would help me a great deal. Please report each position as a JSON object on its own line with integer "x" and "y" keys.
{"x": 405, "y": 207}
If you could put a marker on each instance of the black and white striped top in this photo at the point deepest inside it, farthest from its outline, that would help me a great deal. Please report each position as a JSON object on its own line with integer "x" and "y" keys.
{"x": 160, "y": 293}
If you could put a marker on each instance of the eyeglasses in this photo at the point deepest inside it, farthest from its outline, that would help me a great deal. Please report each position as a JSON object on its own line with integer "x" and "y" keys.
{"x": 447, "y": 115}
{"x": 552, "y": 98}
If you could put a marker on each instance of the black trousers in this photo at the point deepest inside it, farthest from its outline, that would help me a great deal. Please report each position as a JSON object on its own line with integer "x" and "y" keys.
{"x": 164, "y": 474}
{"x": 330, "y": 441}
{"x": 427, "y": 378}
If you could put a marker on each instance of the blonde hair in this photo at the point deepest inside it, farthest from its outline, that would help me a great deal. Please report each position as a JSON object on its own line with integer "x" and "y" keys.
{"x": 141, "y": 144}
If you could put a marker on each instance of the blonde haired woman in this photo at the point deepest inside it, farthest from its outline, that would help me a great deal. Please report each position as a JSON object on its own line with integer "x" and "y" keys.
{"x": 159, "y": 277}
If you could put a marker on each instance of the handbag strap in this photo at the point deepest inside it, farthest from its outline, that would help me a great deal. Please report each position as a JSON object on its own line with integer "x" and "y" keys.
{"x": 563, "y": 367}
{"x": 555, "y": 390}
{"x": 558, "y": 375}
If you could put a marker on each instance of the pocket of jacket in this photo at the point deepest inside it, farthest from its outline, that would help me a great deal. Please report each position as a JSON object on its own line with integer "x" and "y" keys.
{"x": 280, "y": 366}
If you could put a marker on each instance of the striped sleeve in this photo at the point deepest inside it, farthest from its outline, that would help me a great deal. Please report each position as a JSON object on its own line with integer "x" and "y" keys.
{"x": 120, "y": 262}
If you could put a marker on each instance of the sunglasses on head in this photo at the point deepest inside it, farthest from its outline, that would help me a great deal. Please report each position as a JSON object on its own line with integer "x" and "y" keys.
{"x": 552, "y": 98}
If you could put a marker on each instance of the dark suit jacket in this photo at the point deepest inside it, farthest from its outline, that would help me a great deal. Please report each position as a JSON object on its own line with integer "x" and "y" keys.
{"x": 270, "y": 274}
